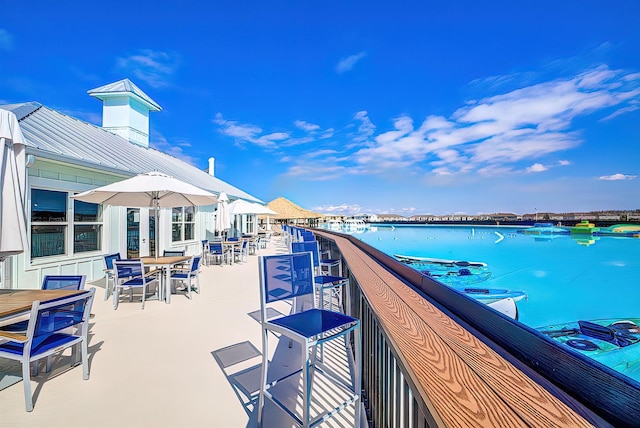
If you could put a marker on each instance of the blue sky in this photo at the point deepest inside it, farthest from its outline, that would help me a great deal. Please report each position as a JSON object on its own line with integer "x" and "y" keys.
{"x": 406, "y": 107}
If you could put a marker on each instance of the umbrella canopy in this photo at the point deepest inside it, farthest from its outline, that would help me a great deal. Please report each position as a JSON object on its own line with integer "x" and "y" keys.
{"x": 287, "y": 210}
{"x": 243, "y": 207}
{"x": 153, "y": 189}
{"x": 223, "y": 219}
{"x": 13, "y": 218}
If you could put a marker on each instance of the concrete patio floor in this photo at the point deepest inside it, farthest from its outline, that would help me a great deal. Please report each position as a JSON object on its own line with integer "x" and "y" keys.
{"x": 185, "y": 364}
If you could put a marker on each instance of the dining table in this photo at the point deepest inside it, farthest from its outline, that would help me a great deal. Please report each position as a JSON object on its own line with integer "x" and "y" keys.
{"x": 165, "y": 263}
{"x": 14, "y": 303}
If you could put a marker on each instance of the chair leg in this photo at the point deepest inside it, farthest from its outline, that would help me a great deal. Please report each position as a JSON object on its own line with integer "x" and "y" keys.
{"x": 85, "y": 359}
{"x": 116, "y": 293}
{"x": 26, "y": 380}
{"x": 263, "y": 374}
{"x": 306, "y": 386}
{"x": 144, "y": 294}
{"x": 357, "y": 367}
{"x": 106, "y": 287}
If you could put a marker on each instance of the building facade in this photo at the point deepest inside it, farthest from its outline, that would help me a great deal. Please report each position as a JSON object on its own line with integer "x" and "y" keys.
{"x": 65, "y": 156}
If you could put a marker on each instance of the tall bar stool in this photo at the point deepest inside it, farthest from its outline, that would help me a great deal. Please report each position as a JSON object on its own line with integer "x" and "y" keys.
{"x": 290, "y": 277}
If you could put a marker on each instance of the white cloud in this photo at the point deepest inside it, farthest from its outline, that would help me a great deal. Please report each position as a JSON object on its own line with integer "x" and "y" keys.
{"x": 366, "y": 128}
{"x": 537, "y": 167}
{"x": 156, "y": 68}
{"x": 327, "y": 133}
{"x": 306, "y": 126}
{"x": 617, "y": 177}
{"x": 492, "y": 135}
{"x": 343, "y": 209}
{"x": 346, "y": 64}
{"x": 6, "y": 40}
{"x": 505, "y": 134}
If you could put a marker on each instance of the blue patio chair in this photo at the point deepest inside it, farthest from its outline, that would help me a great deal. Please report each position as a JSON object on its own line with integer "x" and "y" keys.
{"x": 205, "y": 251}
{"x": 63, "y": 282}
{"x": 49, "y": 333}
{"x": 219, "y": 251}
{"x": 290, "y": 277}
{"x": 241, "y": 253}
{"x": 324, "y": 283}
{"x": 109, "y": 273}
{"x": 129, "y": 275}
{"x": 187, "y": 275}
{"x": 172, "y": 253}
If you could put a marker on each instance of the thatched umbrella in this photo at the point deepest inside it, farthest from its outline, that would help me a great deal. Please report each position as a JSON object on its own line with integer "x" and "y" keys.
{"x": 287, "y": 210}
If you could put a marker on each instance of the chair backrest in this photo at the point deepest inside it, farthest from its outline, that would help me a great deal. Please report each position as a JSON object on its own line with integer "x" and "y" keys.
{"x": 215, "y": 247}
{"x": 128, "y": 268}
{"x": 195, "y": 263}
{"x": 50, "y": 317}
{"x": 233, "y": 239}
{"x": 109, "y": 258}
{"x": 304, "y": 246}
{"x": 63, "y": 282}
{"x": 173, "y": 253}
{"x": 285, "y": 276}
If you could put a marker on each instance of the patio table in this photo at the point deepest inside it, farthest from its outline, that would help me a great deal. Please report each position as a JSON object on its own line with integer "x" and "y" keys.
{"x": 165, "y": 263}
{"x": 14, "y": 303}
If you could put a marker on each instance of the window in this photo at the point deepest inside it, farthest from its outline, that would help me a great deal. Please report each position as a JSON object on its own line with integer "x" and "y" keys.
{"x": 183, "y": 226}
{"x": 48, "y": 223}
{"x": 50, "y": 231}
{"x": 87, "y": 227}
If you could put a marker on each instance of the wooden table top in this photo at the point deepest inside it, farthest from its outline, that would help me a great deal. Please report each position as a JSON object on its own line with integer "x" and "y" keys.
{"x": 168, "y": 260}
{"x": 15, "y": 302}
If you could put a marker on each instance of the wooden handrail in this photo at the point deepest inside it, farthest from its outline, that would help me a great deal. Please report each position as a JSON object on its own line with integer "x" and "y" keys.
{"x": 462, "y": 380}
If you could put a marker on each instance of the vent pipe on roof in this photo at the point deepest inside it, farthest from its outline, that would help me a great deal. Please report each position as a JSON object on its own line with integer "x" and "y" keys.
{"x": 211, "y": 162}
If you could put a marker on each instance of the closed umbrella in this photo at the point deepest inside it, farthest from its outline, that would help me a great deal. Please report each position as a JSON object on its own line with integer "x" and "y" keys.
{"x": 153, "y": 189}
{"x": 223, "y": 219}
{"x": 13, "y": 218}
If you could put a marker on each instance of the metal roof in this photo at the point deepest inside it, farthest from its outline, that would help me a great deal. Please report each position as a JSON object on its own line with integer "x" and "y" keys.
{"x": 54, "y": 135}
{"x": 122, "y": 87}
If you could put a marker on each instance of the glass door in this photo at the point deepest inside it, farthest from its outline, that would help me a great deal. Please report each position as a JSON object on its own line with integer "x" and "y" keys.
{"x": 133, "y": 233}
{"x": 141, "y": 232}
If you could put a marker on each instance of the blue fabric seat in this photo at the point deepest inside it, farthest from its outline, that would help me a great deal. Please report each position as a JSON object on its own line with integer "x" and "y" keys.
{"x": 49, "y": 332}
{"x": 291, "y": 277}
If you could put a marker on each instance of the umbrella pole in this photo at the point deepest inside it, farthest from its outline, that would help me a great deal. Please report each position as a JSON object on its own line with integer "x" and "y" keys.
{"x": 157, "y": 226}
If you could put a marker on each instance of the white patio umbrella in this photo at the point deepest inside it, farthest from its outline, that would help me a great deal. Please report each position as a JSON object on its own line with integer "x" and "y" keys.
{"x": 13, "y": 218}
{"x": 152, "y": 189}
{"x": 223, "y": 219}
{"x": 243, "y": 207}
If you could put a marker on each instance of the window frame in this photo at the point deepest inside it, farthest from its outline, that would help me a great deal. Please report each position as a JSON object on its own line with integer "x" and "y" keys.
{"x": 182, "y": 223}
{"x": 68, "y": 225}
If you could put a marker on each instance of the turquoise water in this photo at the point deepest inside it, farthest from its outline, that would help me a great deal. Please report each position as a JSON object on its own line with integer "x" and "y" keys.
{"x": 565, "y": 279}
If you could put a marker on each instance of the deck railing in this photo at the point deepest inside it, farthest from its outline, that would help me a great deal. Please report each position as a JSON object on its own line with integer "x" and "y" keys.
{"x": 433, "y": 357}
